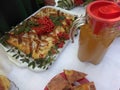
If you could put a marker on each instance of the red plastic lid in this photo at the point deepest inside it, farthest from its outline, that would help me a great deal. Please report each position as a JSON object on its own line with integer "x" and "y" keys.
{"x": 103, "y": 12}
{"x": 109, "y": 11}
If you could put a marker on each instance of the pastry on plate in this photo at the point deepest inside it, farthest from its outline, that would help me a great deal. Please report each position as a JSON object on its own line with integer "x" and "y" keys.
{"x": 86, "y": 86}
{"x": 70, "y": 80}
{"x": 4, "y": 83}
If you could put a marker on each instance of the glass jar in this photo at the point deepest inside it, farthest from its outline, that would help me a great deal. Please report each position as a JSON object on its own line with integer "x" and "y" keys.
{"x": 101, "y": 29}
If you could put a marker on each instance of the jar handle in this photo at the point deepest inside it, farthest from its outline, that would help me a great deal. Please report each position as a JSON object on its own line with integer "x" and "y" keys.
{"x": 76, "y": 24}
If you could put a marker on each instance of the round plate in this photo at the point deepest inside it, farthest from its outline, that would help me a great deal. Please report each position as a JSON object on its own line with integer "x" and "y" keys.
{"x": 80, "y": 81}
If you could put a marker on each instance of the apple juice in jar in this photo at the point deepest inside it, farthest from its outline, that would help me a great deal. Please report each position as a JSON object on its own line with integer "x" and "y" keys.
{"x": 101, "y": 29}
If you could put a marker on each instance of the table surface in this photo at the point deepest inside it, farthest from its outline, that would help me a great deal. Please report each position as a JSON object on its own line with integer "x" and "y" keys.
{"x": 105, "y": 75}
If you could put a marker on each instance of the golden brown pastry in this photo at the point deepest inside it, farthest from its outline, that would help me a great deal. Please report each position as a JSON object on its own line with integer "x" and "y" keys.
{"x": 70, "y": 80}
{"x": 58, "y": 83}
{"x": 86, "y": 86}
{"x": 4, "y": 83}
{"x": 73, "y": 75}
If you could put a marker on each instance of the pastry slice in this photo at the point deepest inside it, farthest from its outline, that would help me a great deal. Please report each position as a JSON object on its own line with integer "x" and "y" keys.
{"x": 58, "y": 83}
{"x": 72, "y": 75}
{"x": 4, "y": 83}
{"x": 86, "y": 86}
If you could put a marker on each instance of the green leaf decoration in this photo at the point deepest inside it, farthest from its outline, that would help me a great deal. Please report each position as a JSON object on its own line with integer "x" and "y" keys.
{"x": 14, "y": 55}
{"x": 17, "y": 57}
{"x": 57, "y": 20}
{"x": 32, "y": 64}
{"x": 25, "y": 60}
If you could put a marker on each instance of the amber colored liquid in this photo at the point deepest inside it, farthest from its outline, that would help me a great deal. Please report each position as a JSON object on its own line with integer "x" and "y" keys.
{"x": 92, "y": 48}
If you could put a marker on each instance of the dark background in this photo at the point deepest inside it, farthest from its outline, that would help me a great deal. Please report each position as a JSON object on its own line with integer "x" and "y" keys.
{"x": 13, "y": 12}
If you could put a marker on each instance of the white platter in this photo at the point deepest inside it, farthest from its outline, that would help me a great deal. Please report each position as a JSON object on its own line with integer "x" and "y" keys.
{"x": 25, "y": 65}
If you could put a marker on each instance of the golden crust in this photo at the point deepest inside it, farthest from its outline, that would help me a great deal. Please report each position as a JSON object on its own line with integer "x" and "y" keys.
{"x": 86, "y": 86}
{"x": 73, "y": 75}
{"x": 4, "y": 83}
{"x": 58, "y": 83}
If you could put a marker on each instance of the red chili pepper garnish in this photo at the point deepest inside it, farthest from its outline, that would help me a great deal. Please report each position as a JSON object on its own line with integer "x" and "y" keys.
{"x": 60, "y": 45}
{"x": 66, "y": 36}
{"x": 63, "y": 35}
{"x": 45, "y": 26}
{"x": 68, "y": 21}
{"x": 78, "y": 2}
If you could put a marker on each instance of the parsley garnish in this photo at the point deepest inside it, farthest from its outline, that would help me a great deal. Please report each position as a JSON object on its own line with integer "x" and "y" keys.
{"x": 25, "y": 27}
{"x": 57, "y": 19}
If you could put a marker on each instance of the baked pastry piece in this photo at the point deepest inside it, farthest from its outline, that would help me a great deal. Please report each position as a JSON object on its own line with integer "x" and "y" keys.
{"x": 73, "y": 75}
{"x": 86, "y": 86}
{"x": 4, "y": 83}
{"x": 58, "y": 83}
{"x": 70, "y": 80}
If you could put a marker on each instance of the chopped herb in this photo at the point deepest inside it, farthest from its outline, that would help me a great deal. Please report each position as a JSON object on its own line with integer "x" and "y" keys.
{"x": 24, "y": 27}
{"x": 32, "y": 64}
{"x": 32, "y": 23}
{"x": 40, "y": 64}
{"x": 17, "y": 57}
{"x": 14, "y": 55}
{"x": 27, "y": 29}
{"x": 21, "y": 55}
{"x": 57, "y": 20}
{"x": 39, "y": 61}
{"x": 25, "y": 60}
{"x": 8, "y": 50}
{"x": 18, "y": 52}
{"x": 44, "y": 67}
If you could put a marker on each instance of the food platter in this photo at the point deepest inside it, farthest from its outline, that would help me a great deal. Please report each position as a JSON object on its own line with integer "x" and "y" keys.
{"x": 38, "y": 40}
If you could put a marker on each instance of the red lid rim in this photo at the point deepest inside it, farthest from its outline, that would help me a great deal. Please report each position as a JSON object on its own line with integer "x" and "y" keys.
{"x": 98, "y": 18}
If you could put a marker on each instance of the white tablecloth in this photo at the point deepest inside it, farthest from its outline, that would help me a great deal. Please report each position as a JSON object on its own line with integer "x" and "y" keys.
{"x": 105, "y": 75}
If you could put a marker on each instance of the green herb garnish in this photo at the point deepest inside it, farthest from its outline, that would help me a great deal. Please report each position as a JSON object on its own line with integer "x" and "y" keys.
{"x": 32, "y": 64}
{"x": 25, "y": 60}
{"x": 57, "y": 20}
{"x": 24, "y": 27}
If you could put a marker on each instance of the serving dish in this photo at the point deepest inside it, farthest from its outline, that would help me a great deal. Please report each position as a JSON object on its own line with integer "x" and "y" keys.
{"x": 38, "y": 40}
{"x": 70, "y": 80}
